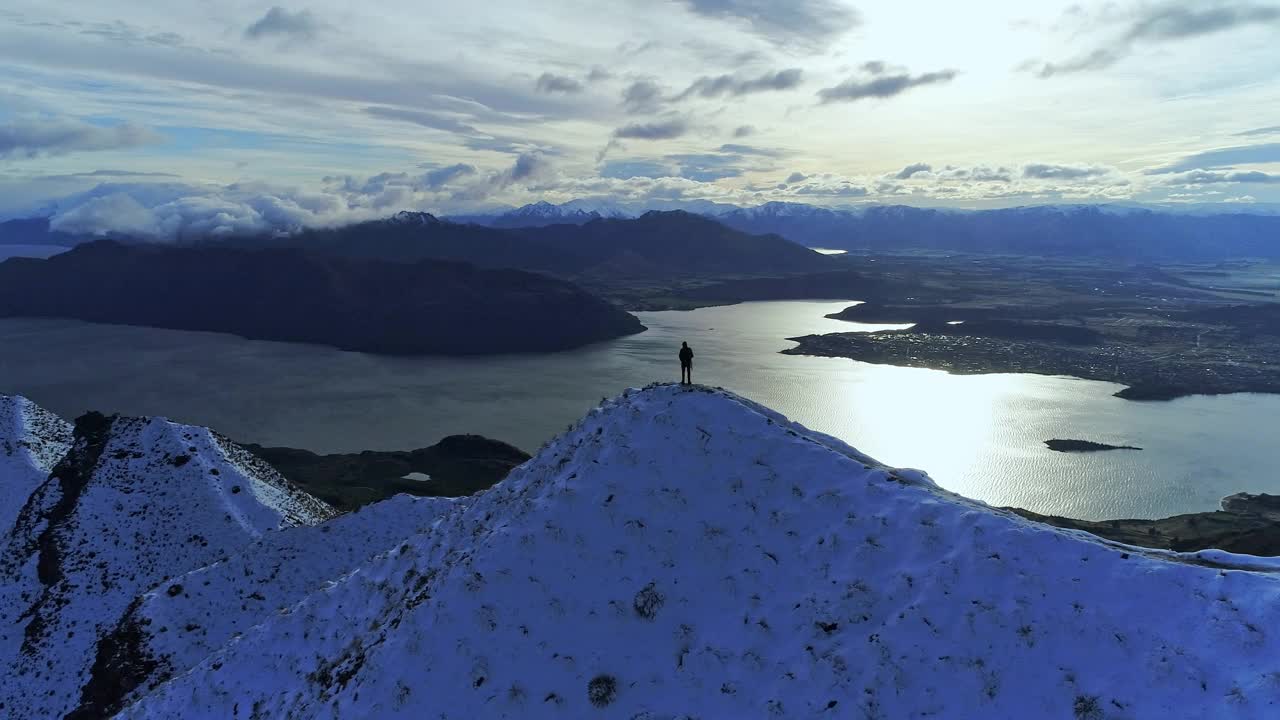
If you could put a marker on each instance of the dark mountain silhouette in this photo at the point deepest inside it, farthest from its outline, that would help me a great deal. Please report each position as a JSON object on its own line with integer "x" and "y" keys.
{"x": 1083, "y": 230}
{"x": 457, "y": 465}
{"x": 36, "y": 231}
{"x": 657, "y": 244}
{"x": 426, "y": 307}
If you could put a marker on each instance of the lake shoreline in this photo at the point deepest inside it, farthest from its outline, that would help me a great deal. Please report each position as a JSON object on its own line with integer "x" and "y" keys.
{"x": 1247, "y": 524}
{"x": 961, "y": 354}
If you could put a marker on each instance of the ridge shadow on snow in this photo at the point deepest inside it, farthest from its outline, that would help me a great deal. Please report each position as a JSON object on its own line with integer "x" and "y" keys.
{"x": 133, "y": 501}
{"x": 683, "y": 552}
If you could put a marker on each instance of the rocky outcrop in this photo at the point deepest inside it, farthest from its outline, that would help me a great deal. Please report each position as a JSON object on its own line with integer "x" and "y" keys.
{"x": 457, "y": 465}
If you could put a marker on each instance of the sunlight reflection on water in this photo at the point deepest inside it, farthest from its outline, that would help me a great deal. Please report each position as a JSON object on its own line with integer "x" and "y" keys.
{"x": 981, "y": 436}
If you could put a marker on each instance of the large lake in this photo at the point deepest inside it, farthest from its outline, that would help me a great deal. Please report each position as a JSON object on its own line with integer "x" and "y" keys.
{"x": 981, "y": 436}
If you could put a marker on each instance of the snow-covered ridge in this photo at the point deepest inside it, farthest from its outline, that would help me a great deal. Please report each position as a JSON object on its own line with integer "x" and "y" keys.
{"x": 134, "y": 501}
{"x": 685, "y": 553}
{"x": 32, "y": 441}
{"x": 185, "y": 618}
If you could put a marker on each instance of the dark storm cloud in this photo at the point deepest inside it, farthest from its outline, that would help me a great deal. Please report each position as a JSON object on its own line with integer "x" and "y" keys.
{"x": 796, "y": 177}
{"x": 598, "y": 74}
{"x": 1224, "y": 157}
{"x": 1162, "y": 23}
{"x": 721, "y": 85}
{"x": 810, "y": 24}
{"x": 642, "y": 97}
{"x": 912, "y": 169}
{"x": 659, "y": 130}
{"x": 301, "y": 25}
{"x": 550, "y": 83}
{"x": 744, "y": 131}
{"x": 34, "y": 138}
{"x": 882, "y": 86}
{"x": 431, "y": 120}
{"x": 1042, "y": 171}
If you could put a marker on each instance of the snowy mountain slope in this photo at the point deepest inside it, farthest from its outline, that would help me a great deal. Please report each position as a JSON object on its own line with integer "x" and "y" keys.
{"x": 32, "y": 441}
{"x": 681, "y": 553}
{"x": 134, "y": 501}
{"x": 185, "y": 618}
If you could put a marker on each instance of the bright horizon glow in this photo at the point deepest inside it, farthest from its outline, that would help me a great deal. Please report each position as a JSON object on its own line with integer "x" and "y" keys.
{"x": 320, "y": 113}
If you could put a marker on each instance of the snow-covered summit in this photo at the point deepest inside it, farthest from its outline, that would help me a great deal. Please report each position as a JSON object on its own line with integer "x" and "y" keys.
{"x": 410, "y": 217}
{"x": 133, "y": 502}
{"x": 683, "y": 552}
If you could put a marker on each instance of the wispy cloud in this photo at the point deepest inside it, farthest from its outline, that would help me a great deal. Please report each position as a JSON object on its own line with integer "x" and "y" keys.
{"x": 1162, "y": 22}
{"x": 659, "y": 130}
{"x": 1273, "y": 130}
{"x": 1043, "y": 171}
{"x": 1223, "y": 157}
{"x": 435, "y": 121}
{"x": 36, "y": 137}
{"x": 882, "y": 86}
{"x": 1203, "y": 177}
{"x": 722, "y": 85}
{"x": 807, "y": 24}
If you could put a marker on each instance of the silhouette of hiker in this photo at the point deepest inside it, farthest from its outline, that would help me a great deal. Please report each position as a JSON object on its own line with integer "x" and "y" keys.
{"x": 686, "y": 364}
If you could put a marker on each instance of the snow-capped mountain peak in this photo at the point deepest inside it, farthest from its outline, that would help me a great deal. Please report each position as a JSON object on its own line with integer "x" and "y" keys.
{"x": 683, "y": 552}
{"x": 409, "y": 217}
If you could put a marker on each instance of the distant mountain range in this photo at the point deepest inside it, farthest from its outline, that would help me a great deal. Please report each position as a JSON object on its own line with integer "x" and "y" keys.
{"x": 292, "y": 295}
{"x": 583, "y": 236}
{"x": 1076, "y": 230}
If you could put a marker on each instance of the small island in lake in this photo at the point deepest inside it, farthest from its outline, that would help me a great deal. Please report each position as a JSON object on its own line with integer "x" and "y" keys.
{"x": 1084, "y": 446}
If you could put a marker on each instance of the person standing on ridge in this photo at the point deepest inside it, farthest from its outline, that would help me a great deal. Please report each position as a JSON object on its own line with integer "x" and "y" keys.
{"x": 686, "y": 364}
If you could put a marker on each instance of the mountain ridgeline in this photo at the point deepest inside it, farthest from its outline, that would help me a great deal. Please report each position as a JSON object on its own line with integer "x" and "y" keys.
{"x": 560, "y": 238}
{"x": 294, "y": 295}
{"x": 1079, "y": 230}
{"x": 654, "y": 245}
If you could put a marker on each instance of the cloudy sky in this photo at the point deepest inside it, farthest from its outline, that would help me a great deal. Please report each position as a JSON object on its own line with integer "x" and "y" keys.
{"x": 151, "y": 115}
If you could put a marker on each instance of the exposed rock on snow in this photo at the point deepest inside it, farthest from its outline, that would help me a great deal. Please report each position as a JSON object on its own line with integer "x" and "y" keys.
{"x": 682, "y": 552}
{"x": 186, "y": 618}
{"x": 32, "y": 441}
{"x": 135, "y": 501}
